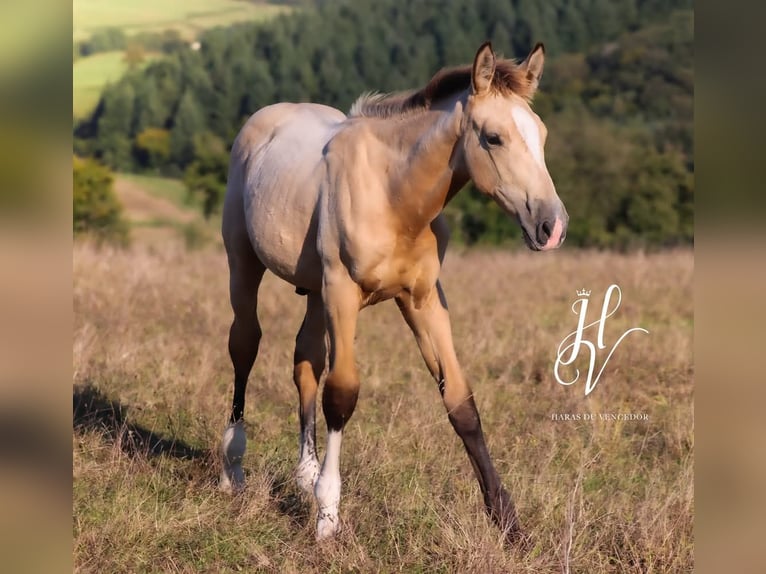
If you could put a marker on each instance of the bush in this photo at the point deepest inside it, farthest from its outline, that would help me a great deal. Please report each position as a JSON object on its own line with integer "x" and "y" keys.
{"x": 96, "y": 209}
{"x": 206, "y": 176}
{"x": 196, "y": 235}
{"x": 152, "y": 147}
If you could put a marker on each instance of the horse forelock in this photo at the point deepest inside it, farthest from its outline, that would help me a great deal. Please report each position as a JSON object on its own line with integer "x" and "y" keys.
{"x": 509, "y": 78}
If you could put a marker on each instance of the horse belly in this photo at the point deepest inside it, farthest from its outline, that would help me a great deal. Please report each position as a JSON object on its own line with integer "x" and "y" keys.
{"x": 283, "y": 231}
{"x": 281, "y": 195}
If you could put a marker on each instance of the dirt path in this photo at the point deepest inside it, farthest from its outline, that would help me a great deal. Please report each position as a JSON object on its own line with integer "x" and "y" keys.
{"x": 140, "y": 206}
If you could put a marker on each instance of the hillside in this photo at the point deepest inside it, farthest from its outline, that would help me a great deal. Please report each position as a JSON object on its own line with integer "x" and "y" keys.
{"x": 189, "y": 17}
{"x": 90, "y": 75}
{"x": 103, "y": 30}
{"x": 617, "y": 97}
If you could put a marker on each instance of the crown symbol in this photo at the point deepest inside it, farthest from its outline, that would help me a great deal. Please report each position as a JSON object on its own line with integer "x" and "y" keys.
{"x": 583, "y": 293}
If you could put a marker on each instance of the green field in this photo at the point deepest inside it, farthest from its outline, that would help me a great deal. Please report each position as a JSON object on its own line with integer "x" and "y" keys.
{"x": 188, "y": 17}
{"x": 160, "y": 210}
{"x": 91, "y": 74}
{"x": 166, "y": 188}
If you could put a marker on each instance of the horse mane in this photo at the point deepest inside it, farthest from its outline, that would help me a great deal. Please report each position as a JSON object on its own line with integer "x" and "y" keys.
{"x": 509, "y": 78}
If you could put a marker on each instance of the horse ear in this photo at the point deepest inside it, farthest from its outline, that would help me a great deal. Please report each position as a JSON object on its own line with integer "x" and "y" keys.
{"x": 534, "y": 67}
{"x": 483, "y": 69}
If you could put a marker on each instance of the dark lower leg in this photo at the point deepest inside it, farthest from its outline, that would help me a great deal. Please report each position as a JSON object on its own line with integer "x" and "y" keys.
{"x": 338, "y": 403}
{"x": 244, "y": 339}
{"x": 466, "y": 422}
{"x": 305, "y": 378}
{"x": 308, "y": 424}
{"x": 308, "y": 465}
{"x": 309, "y": 364}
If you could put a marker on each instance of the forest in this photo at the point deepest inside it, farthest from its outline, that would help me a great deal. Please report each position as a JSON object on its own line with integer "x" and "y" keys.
{"x": 616, "y": 96}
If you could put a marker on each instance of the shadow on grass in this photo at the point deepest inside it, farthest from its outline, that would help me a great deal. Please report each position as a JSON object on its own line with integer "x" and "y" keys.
{"x": 91, "y": 410}
{"x": 289, "y": 502}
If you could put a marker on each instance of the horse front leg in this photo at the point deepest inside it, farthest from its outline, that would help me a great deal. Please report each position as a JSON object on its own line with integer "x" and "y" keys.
{"x": 341, "y": 301}
{"x": 431, "y": 327}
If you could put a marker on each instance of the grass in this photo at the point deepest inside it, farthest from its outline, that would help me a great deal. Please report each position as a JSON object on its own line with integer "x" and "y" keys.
{"x": 167, "y": 188}
{"x": 91, "y": 74}
{"x": 160, "y": 209}
{"x": 153, "y": 381}
{"x": 188, "y": 16}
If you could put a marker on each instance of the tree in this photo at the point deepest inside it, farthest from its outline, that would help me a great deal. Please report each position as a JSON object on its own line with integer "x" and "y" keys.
{"x": 150, "y": 110}
{"x": 134, "y": 55}
{"x": 106, "y": 40}
{"x": 189, "y": 120}
{"x": 659, "y": 182}
{"x": 612, "y": 104}
{"x": 259, "y": 89}
{"x": 114, "y": 126}
{"x": 153, "y": 147}
{"x": 96, "y": 209}
{"x": 206, "y": 176}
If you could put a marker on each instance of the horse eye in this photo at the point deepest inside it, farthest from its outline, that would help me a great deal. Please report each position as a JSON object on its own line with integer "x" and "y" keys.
{"x": 493, "y": 139}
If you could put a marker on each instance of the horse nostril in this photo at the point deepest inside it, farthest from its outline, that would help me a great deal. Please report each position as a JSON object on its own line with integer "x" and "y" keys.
{"x": 544, "y": 231}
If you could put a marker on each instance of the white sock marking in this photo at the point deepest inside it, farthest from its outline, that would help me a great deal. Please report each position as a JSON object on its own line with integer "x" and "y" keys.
{"x": 308, "y": 466}
{"x": 327, "y": 488}
{"x": 232, "y": 450}
{"x": 529, "y": 131}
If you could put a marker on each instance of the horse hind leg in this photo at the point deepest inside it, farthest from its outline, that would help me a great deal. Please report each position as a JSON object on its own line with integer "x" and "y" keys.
{"x": 246, "y": 272}
{"x": 309, "y": 360}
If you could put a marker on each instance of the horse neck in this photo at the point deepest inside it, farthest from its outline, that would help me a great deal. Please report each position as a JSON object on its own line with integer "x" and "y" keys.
{"x": 429, "y": 168}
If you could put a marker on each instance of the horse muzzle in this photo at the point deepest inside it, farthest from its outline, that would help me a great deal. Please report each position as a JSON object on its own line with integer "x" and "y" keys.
{"x": 548, "y": 231}
{"x": 550, "y": 236}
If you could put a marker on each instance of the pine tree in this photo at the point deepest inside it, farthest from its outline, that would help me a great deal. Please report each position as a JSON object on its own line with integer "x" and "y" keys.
{"x": 188, "y": 121}
{"x": 114, "y": 126}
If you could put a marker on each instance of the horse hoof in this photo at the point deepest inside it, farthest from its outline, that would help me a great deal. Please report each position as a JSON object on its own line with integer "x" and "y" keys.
{"x": 233, "y": 443}
{"x": 232, "y": 480}
{"x": 306, "y": 475}
{"x": 327, "y": 527}
{"x": 232, "y": 450}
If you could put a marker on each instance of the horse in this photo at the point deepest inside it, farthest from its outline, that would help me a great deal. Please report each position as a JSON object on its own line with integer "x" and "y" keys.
{"x": 348, "y": 209}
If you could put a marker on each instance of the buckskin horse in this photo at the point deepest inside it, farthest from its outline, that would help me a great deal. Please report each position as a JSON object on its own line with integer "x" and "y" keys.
{"x": 348, "y": 209}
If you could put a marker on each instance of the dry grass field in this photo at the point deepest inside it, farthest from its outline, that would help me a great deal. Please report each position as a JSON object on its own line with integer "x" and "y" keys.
{"x": 152, "y": 388}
